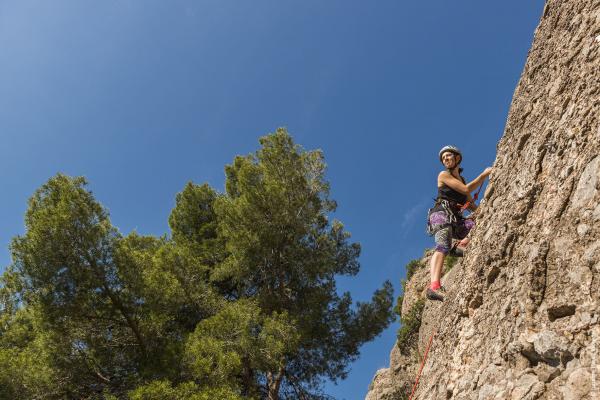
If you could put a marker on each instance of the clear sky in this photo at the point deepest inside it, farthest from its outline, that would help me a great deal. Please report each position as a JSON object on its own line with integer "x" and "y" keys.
{"x": 142, "y": 96}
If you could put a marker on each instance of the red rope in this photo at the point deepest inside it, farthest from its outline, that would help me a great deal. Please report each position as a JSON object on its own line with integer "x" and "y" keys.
{"x": 422, "y": 364}
{"x": 466, "y": 205}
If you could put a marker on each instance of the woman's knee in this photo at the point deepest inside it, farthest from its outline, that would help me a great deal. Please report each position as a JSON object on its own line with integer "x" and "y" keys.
{"x": 444, "y": 249}
{"x": 443, "y": 240}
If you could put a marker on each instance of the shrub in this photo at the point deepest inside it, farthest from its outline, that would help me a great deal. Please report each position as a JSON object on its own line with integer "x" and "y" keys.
{"x": 450, "y": 262}
{"x": 409, "y": 329}
{"x": 401, "y": 393}
{"x": 412, "y": 267}
{"x": 399, "y": 300}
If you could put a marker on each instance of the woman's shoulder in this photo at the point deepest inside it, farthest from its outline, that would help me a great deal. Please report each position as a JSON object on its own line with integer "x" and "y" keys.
{"x": 444, "y": 176}
{"x": 441, "y": 176}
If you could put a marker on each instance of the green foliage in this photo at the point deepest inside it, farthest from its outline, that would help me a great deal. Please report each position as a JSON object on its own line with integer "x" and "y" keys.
{"x": 411, "y": 268}
{"x": 449, "y": 262}
{"x": 402, "y": 393}
{"x": 26, "y": 355}
{"x": 398, "y": 307}
{"x": 163, "y": 390}
{"x": 408, "y": 333}
{"x": 237, "y": 341}
{"x": 65, "y": 272}
{"x": 193, "y": 219}
{"x": 66, "y": 264}
{"x": 239, "y": 302}
{"x": 283, "y": 252}
{"x": 194, "y": 223}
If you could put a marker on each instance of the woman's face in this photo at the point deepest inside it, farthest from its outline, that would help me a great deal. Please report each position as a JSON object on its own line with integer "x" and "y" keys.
{"x": 449, "y": 159}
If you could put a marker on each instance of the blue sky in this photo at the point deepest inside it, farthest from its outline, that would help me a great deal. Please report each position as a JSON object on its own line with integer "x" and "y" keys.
{"x": 142, "y": 96}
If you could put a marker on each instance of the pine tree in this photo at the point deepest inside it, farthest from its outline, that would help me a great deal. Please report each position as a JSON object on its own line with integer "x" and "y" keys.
{"x": 283, "y": 252}
{"x": 240, "y": 301}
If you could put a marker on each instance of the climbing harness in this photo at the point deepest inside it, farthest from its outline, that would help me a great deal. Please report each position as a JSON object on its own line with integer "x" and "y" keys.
{"x": 422, "y": 364}
{"x": 447, "y": 208}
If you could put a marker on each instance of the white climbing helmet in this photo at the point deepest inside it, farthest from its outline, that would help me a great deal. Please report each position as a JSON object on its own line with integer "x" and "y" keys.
{"x": 452, "y": 149}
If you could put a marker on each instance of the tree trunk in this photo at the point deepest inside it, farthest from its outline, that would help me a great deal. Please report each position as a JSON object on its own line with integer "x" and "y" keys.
{"x": 274, "y": 383}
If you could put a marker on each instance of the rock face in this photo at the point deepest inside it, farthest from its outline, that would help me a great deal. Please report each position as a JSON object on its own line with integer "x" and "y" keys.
{"x": 521, "y": 320}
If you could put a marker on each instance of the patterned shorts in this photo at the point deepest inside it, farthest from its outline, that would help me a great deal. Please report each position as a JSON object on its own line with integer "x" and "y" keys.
{"x": 444, "y": 231}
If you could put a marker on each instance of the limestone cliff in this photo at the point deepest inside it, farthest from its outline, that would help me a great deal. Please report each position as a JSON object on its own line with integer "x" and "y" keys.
{"x": 521, "y": 320}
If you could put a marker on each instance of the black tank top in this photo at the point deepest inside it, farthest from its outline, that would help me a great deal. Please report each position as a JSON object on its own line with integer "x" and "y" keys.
{"x": 453, "y": 197}
{"x": 447, "y": 193}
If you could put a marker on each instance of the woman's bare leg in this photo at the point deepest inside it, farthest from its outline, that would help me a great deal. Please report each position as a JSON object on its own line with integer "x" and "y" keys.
{"x": 437, "y": 261}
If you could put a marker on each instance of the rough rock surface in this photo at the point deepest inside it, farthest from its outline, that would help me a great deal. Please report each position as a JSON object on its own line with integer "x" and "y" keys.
{"x": 521, "y": 320}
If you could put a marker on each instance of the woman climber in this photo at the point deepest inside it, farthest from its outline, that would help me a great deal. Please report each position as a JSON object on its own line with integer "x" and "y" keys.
{"x": 445, "y": 219}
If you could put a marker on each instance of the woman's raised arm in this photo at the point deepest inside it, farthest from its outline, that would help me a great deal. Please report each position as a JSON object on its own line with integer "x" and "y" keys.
{"x": 474, "y": 184}
{"x": 447, "y": 179}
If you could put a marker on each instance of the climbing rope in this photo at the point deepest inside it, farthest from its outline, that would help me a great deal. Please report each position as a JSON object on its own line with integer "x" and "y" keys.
{"x": 468, "y": 203}
{"x": 422, "y": 364}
